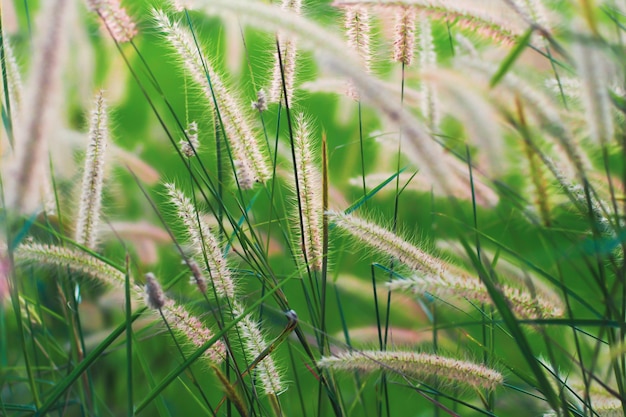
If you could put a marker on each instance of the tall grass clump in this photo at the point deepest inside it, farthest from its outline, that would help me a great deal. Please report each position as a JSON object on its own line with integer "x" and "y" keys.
{"x": 447, "y": 240}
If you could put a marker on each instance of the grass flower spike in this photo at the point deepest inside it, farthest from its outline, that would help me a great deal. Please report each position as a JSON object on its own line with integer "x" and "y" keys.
{"x": 460, "y": 285}
{"x": 116, "y": 19}
{"x": 357, "y": 25}
{"x": 428, "y": 61}
{"x": 193, "y": 329}
{"x": 404, "y": 37}
{"x": 438, "y": 277}
{"x": 93, "y": 176}
{"x": 204, "y": 243}
{"x": 288, "y": 58}
{"x": 154, "y": 296}
{"x": 254, "y": 345}
{"x": 418, "y": 365}
{"x": 76, "y": 261}
{"x": 310, "y": 198}
{"x": 388, "y": 243}
{"x": 250, "y": 161}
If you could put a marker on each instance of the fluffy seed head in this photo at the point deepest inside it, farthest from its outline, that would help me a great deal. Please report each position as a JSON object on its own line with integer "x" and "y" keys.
{"x": 358, "y": 32}
{"x": 192, "y": 328}
{"x": 154, "y": 296}
{"x": 288, "y": 58}
{"x": 197, "y": 276}
{"x": 592, "y": 66}
{"x": 204, "y": 243}
{"x": 388, "y": 243}
{"x": 240, "y": 134}
{"x": 93, "y": 176}
{"x": 418, "y": 365}
{"x": 254, "y": 344}
{"x": 310, "y": 198}
{"x": 457, "y": 284}
{"x": 404, "y": 35}
{"x": 115, "y": 18}
{"x": 74, "y": 260}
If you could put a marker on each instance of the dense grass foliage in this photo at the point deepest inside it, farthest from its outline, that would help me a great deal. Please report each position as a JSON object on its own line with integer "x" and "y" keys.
{"x": 358, "y": 208}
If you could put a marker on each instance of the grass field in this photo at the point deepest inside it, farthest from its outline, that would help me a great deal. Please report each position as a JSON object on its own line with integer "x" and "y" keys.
{"x": 359, "y": 208}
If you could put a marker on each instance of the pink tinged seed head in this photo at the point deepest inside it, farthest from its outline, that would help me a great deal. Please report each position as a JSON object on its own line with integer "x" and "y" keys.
{"x": 197, "y": 277}
{"x": 358, "y": 32}
{"x": 204, "y": 243}
{"x": 154, "y": 296}
{"x": 115, "y": 18}
{"x": 193, "y": 329}
{"x": 404, "y": 35}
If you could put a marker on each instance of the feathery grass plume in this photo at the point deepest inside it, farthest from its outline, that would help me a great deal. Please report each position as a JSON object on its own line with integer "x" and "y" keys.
{"x": 27, "y": 187}
{"x": 255, "y": 344}
{"x": 490, "y": 19}
{"x": 154, "y": 296}
{"x": 115, "y": 18}
{"x": 455, "y": 283}
{"x": 427, "y": 61}
{"x": 309, "y": 185}
{"x": 179, "y": 319}
{"x": 93, "y": 176}
{"x": 193, "y": 329}
{"x": 437, "y": 276}
{"x": 75, "y": 260}
{"x": 404, "y": 35}
{"x": 191, "y": 143}
{"x": 423, "y": 366}
{"x": 288, "y": 57}
{"x": 388, "y": 243}
{"x": 592, "y": 66}
{"x": 330, "y": 49}
{"x": 246, "y": 152}
{"x": 358, "y": 33}
{"x": 204, "y": 243}
{"x": 357, "y": 25}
